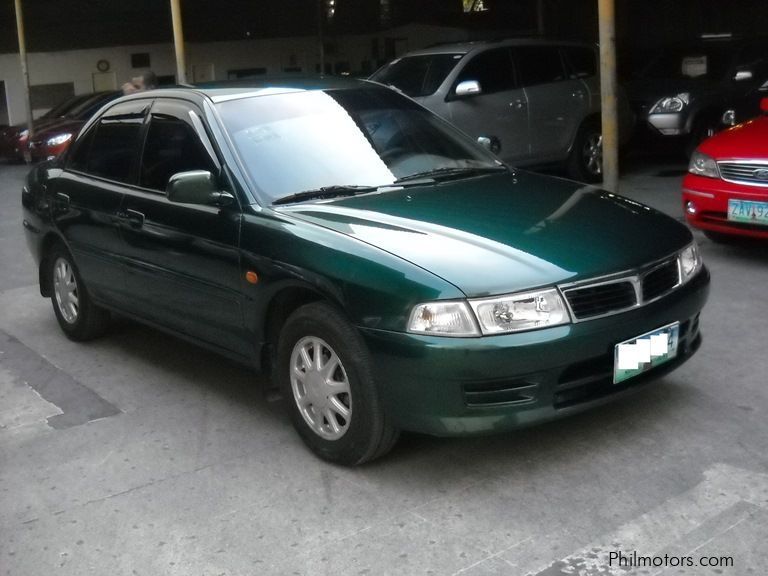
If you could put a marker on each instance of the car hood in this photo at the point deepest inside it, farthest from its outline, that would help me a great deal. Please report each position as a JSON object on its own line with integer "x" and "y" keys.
{"x": 504, "y": 233}
{"x": 747, "y": 141}
{"x": 72, "y": 126}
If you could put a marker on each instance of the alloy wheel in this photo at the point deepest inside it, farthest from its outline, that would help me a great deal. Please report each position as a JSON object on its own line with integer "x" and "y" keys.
{"x": 321, "y": 388}
{"x": 65, "y": 290}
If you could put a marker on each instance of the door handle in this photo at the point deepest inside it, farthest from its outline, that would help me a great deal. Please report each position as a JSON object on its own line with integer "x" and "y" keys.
{"x": 578, "y": 94}
{"x": 135, "y": 219}
{"x": 517, "y": 104}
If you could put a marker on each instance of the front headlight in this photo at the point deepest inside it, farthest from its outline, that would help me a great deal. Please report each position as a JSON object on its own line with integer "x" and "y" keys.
{"x": 443, "y": 319}
{"x": 703, "y": 165}
{"x": 671, "y": 104}
{"x": 516, "y": 312}
{"x": 58, "y": 140}
{"x": 690, "y": 262}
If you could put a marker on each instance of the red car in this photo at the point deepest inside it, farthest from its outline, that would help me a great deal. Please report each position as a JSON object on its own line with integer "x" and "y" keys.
{"x": 54, "y": 138}
{"x": 725, "y": 192}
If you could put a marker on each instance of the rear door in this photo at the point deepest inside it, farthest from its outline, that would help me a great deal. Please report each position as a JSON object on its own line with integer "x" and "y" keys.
{"x": 182, "y": 264}
{"x": 556, "y": 103}
{"x": 89, "y": 192}
{"x": 501, "y": 110}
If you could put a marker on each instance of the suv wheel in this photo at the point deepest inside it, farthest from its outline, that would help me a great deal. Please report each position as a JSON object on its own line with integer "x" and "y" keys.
{"x": 325, "y": 375}
{"x": 586, "y": 160}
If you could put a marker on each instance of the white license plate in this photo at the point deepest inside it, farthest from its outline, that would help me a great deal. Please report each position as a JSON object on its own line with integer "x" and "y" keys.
{"x": 640, "y": 354}
{"x": 748, "y": 211}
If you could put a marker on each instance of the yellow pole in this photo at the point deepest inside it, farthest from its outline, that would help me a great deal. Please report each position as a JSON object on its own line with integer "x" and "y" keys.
{"x": 25, "y": 75}
{"x": 610, "y": 122}
{"x": 178, "y": 42}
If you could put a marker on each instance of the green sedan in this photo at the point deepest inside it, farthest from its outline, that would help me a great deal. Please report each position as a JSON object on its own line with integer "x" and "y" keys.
{"x": 389, "y": 272}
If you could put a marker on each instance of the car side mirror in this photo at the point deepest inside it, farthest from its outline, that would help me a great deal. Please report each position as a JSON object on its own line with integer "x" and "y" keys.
{"x": 468, "y": 88}
{"x": 196, "y": 187}
{"x": 491, "y": 143}
{"x": 743, "y": 75}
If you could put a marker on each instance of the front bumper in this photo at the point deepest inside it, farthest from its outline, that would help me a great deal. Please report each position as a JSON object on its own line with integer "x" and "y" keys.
{"x": 710, "y": 198}
{"x": 466, "y": 386}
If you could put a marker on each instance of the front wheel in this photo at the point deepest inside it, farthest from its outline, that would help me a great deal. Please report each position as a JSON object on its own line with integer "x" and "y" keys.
{"x": 324, "y": 373}
{"x": 585, "y": 162}
{"x": 79, "y": 318}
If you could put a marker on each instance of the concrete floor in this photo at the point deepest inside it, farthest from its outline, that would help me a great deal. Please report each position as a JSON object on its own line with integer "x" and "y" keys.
{"x": 139, "y": 454}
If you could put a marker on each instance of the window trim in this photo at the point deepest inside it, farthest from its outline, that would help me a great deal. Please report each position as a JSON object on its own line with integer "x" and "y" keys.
{"x": 205, "y": 139}
{"x": 93, "y": 125}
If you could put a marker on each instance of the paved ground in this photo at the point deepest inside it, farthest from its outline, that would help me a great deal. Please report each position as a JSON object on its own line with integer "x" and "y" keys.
{"x": 140, "y": 454}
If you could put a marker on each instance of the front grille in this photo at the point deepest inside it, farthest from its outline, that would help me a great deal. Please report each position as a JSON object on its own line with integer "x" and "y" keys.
{"x": 744, "y": 173}
{"x": 660, "y": 280}
{"x": 596, "y": 300}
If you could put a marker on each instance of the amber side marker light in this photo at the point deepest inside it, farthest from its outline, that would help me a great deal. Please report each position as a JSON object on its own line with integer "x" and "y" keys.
{"x": 251, "y": 277}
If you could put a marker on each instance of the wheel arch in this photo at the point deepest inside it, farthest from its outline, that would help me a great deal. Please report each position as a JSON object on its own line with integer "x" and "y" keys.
{"x": 277, "y": 309}
{"x": 50, "y": 240}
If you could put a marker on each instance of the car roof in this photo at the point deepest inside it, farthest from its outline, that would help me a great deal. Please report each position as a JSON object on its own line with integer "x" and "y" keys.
{"x": 232, "y": 90}
{"x": 467, "y": 47}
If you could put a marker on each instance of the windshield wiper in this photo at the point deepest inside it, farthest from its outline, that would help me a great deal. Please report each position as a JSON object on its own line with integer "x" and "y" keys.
{"x": 451, "y": 171}
{"x": 325, "y": 192}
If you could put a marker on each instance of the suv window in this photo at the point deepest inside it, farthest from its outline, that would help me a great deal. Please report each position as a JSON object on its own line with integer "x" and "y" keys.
{"x": 492, "y": 69}
{"x": 110, "y": 151}
{"x": 581, "y": 61}
{"x": 418, "y": 75}
{"x": 539, "y": 65}
{"x": 172, "y": 146}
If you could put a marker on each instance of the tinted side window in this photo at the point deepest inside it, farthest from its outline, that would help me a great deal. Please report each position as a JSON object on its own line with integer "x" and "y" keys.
{"x": 539, "y": 64}
{"x": 114, "y": 148}
{"x": 172, "y": 146}
{"x": 78, "y": 157}
{"x": 492, "y": 69}
{"x": 581, "y": 61}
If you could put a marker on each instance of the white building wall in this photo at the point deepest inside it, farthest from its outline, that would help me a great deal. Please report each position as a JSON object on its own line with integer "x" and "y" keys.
{"x": 205, "y": 61}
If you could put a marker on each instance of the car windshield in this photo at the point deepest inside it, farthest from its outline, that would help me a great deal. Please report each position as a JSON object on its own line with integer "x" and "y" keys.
{"x": 703, "y": 61}
{"x": 309, "y": 140}
{"x": 88, "y": 108}
{"x": 61, "y": 109}
{"x": 417, "y": 75}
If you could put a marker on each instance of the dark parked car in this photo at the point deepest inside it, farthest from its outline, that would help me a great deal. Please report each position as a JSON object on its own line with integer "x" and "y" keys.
{"x": 533, "y": 102}
{"x": 683, "y": 92}
{"x": 391, "y": 273}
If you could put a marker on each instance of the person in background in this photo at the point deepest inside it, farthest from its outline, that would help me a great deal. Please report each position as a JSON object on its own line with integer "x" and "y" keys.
{"x": 147, "y": 81}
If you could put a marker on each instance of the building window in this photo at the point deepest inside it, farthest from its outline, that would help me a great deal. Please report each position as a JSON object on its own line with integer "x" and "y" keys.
{"x": 140, "y": 60}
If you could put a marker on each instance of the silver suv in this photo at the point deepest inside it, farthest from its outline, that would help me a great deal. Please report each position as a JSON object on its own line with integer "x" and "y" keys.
{"x": 532, "y": 102}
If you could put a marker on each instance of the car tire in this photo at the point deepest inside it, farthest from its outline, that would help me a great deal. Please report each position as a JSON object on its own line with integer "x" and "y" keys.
{"x": 325, "y": 375}
{"x": 585, "y": 163}
{"x": 79, "y": 318}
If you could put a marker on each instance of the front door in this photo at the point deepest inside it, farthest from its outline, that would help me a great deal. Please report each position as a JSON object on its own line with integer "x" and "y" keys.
{"x": 89, "y": 193}
{"x": 500, "y": 110}
{"x": 182, "y": 262}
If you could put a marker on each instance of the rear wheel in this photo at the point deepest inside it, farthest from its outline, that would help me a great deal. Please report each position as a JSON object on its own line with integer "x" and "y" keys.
{"x": 324, "y": 372}
{"x": 586, "y": 160}
{"x": 78, "y": 316}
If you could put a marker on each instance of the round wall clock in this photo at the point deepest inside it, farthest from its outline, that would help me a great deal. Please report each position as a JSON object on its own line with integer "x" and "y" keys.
{"x": 102, "y": 65}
